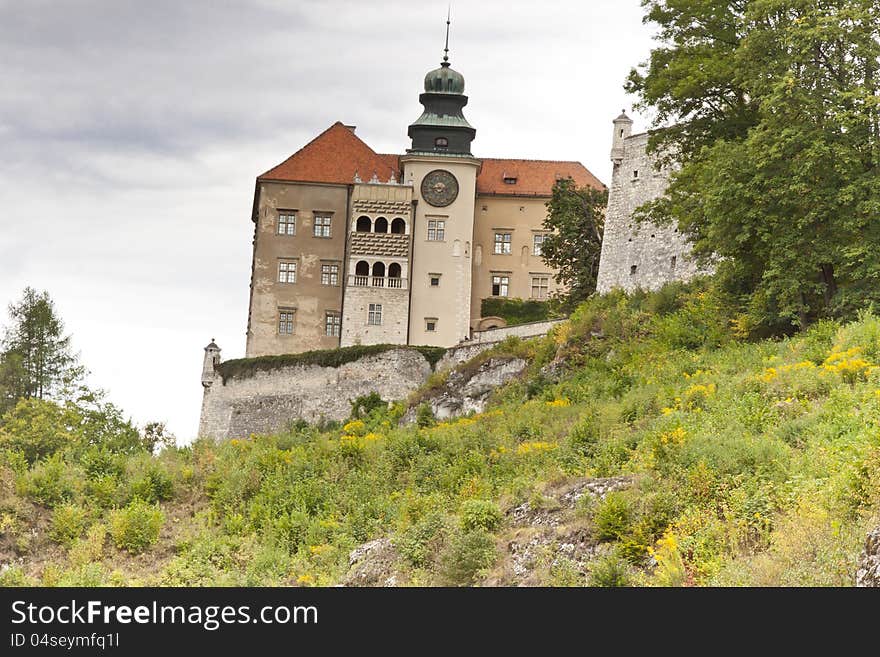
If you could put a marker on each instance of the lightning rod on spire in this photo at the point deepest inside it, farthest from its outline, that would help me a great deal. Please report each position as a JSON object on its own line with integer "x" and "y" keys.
{"x": 446, "y": 48}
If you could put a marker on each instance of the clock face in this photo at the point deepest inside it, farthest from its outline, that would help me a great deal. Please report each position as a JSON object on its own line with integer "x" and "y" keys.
{"x": 439, "y": 188}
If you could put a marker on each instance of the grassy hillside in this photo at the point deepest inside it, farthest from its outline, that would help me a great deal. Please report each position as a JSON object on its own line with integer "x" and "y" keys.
{"x": 748, "y": 463}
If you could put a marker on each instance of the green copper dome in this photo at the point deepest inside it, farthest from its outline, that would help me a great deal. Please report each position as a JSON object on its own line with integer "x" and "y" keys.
{"x": 444, "y": 80}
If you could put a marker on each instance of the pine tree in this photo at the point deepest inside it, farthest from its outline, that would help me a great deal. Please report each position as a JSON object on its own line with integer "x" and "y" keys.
{"x": 36, "y": 359}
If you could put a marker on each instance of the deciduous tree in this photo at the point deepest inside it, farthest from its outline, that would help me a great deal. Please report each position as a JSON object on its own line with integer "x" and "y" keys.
{"x": 575, "y": 215}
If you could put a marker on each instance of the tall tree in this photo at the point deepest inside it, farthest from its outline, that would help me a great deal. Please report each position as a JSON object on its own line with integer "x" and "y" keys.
{"x": 36, "y": 359}
{"x": 691, "y": 81}
{"x": 786, "y": 207}
{"x": 575, "y": 218}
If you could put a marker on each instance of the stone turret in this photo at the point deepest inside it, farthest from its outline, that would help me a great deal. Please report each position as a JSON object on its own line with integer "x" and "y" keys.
{"x": 209, "y": 366}
{"x": 622, "y": 130}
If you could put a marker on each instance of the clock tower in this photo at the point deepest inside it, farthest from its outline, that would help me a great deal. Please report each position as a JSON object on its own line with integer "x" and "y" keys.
{"x": 443, "y": 174}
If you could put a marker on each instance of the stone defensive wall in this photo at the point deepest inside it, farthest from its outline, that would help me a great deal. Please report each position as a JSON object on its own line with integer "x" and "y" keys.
{"x": 266, "y": 394}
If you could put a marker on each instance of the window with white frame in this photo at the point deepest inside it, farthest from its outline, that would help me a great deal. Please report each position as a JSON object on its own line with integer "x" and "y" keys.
{"x": 332, "y": 324}
{"x": 285, "y": 320}
{"x": 430, "y": 324}
{"x": 434, "y": 280}
{"x": 500, "y": 285}
{"x": 540, "y": 287}
{"x": 287, "y": 271}
{"x": 436, "y": 230}
{"x": 330, "y": 273}
{"x": 502, "y": 243}
{"x": 538, "y": 243}
{"x": 322, "y": 225}
{"x": 374, "y": 314}
{"x": 287, "y": 223}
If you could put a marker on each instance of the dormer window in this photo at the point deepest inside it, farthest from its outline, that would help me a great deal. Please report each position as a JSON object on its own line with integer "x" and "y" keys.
{"x": 441, "y": 142}
{"x": 509, "y": 180}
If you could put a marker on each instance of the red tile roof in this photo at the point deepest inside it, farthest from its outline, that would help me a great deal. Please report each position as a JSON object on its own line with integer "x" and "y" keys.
{"x": 337, "y": 154}
{"x": 533, "y": 177}
{"x": 334, "y": 157}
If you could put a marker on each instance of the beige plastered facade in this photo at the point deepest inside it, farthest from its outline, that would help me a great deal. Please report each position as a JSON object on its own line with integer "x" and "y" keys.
{"x": 448, "y": 305}
{"x": 523, "y": 218}
{"x": 308, "y": 298}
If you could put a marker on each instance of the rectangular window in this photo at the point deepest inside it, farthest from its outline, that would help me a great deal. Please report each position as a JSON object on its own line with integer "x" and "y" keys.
{"x": 329, "y": 274}
{"x": 322, "y": 225}
{"x": 537, "y": 243}
{"x": 287, "y": 271}
{"x": 436, "y": 230}
{"x": 434, "y": 280}
{"x": 540, "y": 286}
{"x": 500, "y": 286}
{"x": 502, "y": 243}
{"x": 287, "y": 223}
{"x": 430, "y": 324}
{"x": 285, "y": 321}
{"x": 374, "y": 316}
{"x": 332, "y": 324}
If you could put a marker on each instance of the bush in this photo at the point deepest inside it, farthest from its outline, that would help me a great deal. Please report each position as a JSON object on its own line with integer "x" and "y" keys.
{"x": 136, "y": 527}
{"x": 516, "y": 311}
{"x": 14, "y": 576}
{"x": 609, "y": 571}
{"x": 366, "y": 404}
{"x": 419, "y": 542}
{"x": 89, "y": 548}
{"x": 37, "y": 428}
{"x": 465, "y": 556}
{"x": 425, "y": 416}
{"x": 613, "y": 517}
{"x": 68, "y": 523}
{"x": 50, "y": 482}
{"x": 480, "y": 514}
{"x": 152, "y": 483}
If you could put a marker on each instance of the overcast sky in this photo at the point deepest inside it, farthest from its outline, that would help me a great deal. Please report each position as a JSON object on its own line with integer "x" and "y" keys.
{"x": 131, "y": 133}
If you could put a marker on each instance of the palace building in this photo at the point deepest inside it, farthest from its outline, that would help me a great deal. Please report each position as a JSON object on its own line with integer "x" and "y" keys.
{"x": 357, "y": 247}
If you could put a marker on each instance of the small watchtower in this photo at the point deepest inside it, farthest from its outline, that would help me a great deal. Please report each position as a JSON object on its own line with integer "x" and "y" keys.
{"x": 622, "y": 131}
{"x": 209, "y": 366}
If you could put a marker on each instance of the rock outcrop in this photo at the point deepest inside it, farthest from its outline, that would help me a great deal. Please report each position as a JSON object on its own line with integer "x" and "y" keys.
{"x": 373, "y": 564}
{"x": 468, "y": 391}
{"x": 542, "y": 537}
{"x": 868, "y": 572}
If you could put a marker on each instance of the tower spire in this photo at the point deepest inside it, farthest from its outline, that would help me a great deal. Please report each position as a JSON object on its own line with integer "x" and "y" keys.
{"x": 446, "y": 47}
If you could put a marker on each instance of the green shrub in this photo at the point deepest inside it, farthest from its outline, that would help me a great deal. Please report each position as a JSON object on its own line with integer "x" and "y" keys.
{"x": 14, "y": 575}
{"x": 425, "y": 416}
{"x": 613, "y": 517}
{"x": 517, "y": 311}
{"x": 150, "y": 482}
{"x": 584, "y": 436}
{"x": 103, "y": 490}
{"x": 90, "y": 548}
{"x": 364, "y": 405}
{"x": 68, "y": 523}
{"x": 37, "y": 428}
{"x": 610, "y": 570}
{"x": 51, "y": 481}
{"x": 136, "y": 527}
{"x": 419, "y": 542}
{"x": 480, "y": 514}
{"x": 465, "y": 555}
